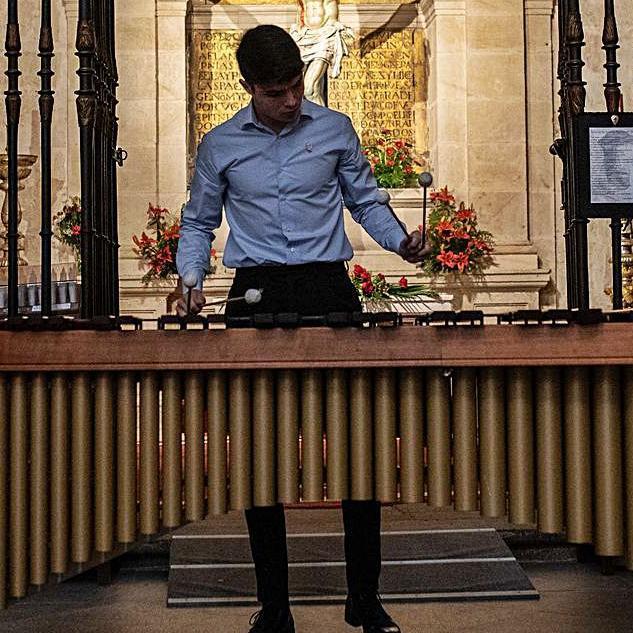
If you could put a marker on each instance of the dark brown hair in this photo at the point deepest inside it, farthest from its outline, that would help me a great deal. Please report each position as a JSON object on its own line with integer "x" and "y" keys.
{"x": 268, "y": 55}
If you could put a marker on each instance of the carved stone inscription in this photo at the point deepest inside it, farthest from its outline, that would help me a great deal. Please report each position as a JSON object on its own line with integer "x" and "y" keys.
{"x": 376, "y": 87}
{"x": 215, "y": 91}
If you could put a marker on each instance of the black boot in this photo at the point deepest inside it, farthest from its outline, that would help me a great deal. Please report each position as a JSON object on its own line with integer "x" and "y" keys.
{"x": 366, "y": 610}
{"x": 272, "y": 619}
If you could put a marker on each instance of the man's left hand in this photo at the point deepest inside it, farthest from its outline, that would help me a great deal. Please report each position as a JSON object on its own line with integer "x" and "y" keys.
{"x": 412, "y": 249}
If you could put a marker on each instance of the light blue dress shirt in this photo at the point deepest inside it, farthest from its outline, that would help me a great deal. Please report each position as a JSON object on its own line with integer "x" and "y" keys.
{"x": 282, "y": 193}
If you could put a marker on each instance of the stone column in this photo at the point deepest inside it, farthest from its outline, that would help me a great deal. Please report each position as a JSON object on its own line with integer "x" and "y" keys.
{"x": 546, "y": 222}
{"x": 171, "y": 103}
{"x": 497, "y": 127}
{"x": 445, "y": 25}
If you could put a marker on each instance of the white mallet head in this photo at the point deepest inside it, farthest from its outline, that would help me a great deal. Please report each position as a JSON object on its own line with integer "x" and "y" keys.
{"x": 253, "y": 295}
{"x": 383, "y": 196}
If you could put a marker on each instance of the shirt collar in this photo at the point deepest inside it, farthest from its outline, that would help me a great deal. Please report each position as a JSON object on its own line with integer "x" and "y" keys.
{"x": 249, "y": 118}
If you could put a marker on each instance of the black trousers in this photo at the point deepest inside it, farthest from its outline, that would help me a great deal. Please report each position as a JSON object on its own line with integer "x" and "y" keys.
{"x": 309, "y": 289}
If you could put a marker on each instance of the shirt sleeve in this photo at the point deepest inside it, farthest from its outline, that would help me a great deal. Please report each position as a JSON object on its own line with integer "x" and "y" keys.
{"x": 360, "y": 194}
{"x": 201, "y": 216}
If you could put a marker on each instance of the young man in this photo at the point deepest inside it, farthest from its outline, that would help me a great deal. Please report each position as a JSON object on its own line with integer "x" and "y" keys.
{"x": 281, "y": 168}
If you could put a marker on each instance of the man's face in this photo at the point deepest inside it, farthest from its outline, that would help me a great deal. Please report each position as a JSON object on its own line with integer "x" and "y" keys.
{"x": 276, "y": 105}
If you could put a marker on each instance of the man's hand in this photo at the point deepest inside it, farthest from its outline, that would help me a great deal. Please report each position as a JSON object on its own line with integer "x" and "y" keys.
{"x": 412, "y": 249}
{"x": 197, "y": 303}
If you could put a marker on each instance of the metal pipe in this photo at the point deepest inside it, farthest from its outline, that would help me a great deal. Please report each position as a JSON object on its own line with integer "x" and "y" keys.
{"x": 81, "y": 468}
{"x": 287, "y": 385}
{"x": 240, "y": 440}
{"x": 149, "y": 479}
{"x": 311, "y": 435}
{"x": 104, "y": 463}
{"x": 361, "y": 438}
{"x": 39, "y": 476}
{"x": 465, "y": 439}
{"x": 172, "y": 450}
{"x": 492, "y": 441}
{"x": 216, "y": 443}
{"x": 438, "y": 425}
{"x": 60, "y": 473}
{"x": 520, "y": 445}
{"x": 577, "y": 446}
{"x": 411, "y": 396}
{"x": 385, "y": 434}
{"x": 194, "y": 446}
{"x": 264, "y": 492}
{"x": 18, "y": 487}
{"x": 337, "y": 423}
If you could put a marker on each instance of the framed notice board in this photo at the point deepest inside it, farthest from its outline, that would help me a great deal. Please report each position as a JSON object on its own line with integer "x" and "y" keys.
{"x": 604, "y": 164}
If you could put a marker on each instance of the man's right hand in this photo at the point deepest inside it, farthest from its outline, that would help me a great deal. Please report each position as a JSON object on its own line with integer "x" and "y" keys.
{"x": 197, "y": 303}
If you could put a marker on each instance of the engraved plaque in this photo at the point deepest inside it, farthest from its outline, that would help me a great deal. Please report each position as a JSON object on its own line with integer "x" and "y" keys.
{"x": 376, "y": 87}
{"x": 381, "y": 85}
{"x": 215, "y": 92}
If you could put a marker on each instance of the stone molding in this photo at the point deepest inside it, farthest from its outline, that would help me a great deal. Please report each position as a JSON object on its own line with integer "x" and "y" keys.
{"x": 171, "y": 8}
{"x": 430, "y": 9}
{"x": 540, "y": 7}
{"x": 238, "y": 17}
{"x": 71, "y": 7}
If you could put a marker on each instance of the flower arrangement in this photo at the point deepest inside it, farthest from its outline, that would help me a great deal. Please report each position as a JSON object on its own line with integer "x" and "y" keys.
{"x": 391, "y": 161}
{"x": 456, "y": 241}
{"x": 67, "y": 226}
{"x": 375, "y": 287}
{"x": 159, "y": 253}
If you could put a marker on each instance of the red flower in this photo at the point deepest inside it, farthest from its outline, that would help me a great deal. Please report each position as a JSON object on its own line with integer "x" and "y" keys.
{"x": 442, "y": 195}
{"x": 444, "y": 226}
{"x": 460, "y": 234}
{"x": 390, "y": 151}
{"x": 75, "y": 229}
{"x": 464, "y": 214}
{"x": 390, "y": 163}
{"x": 447, "y": 258}
{"x": 399, "y": 144}
{"x": 408, "y": 169}
{"x": 213, "y": 252}
{"x": 403, "y": 283}
{"x": 155, "y": 212}
{"x": 367, "y": 288}
{"x": 462, "y": 260}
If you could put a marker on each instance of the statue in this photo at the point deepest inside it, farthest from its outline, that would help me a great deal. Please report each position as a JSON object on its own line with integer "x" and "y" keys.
{"x": 323, "y": 42}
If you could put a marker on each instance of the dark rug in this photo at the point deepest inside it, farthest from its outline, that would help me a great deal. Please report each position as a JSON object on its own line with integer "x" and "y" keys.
{"x": 420, "y": 565}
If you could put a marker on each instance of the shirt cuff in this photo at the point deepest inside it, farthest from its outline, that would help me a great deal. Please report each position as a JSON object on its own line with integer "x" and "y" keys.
{"x": 394, "y": 238}
{"x": 199, "y": 276}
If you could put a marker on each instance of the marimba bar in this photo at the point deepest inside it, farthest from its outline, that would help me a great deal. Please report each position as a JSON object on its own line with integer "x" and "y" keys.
{"x": 109, "y": 437}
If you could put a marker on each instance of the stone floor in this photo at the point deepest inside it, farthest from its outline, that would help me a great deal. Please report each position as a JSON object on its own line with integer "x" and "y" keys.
{"x": 575, "y": 598}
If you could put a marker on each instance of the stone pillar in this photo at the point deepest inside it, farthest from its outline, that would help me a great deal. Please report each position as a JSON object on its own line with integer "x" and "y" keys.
{"x": 546, "y": 221}
{"x": 496, "y": 127}
{"x": 172, "y": 103}
{"x": 445, "y": 24}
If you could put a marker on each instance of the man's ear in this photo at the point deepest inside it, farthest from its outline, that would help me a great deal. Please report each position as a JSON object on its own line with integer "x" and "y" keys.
{"x": 246, "y": 87}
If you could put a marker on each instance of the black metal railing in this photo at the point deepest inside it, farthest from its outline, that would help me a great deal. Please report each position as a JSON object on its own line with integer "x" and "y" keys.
{"x": 572, "y": 109}
{"x": 96, "y": 110}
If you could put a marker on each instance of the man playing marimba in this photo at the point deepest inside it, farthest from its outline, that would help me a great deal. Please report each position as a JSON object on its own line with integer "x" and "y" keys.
{"x": 281, "y": 168}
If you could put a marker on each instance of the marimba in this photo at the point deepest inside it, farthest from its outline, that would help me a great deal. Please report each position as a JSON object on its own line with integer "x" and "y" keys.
{"x": 110, "y": 436}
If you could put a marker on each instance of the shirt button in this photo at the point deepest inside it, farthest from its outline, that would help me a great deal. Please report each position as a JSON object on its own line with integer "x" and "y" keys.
{"x": 292, "y": 250}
